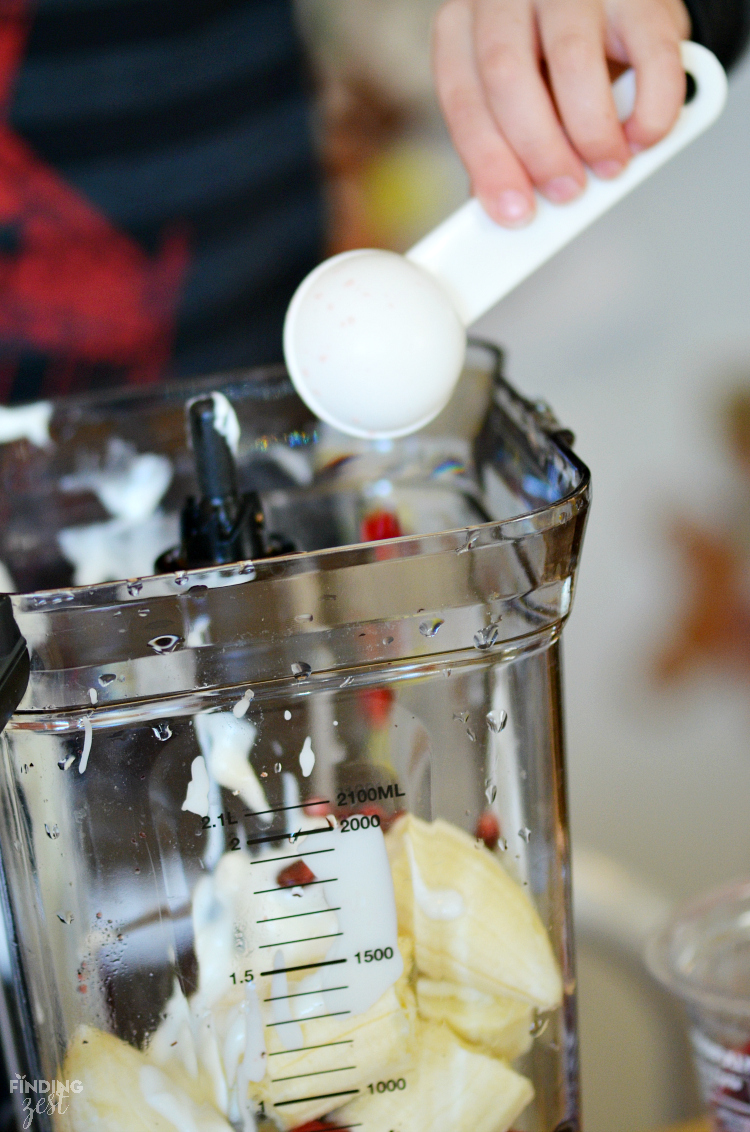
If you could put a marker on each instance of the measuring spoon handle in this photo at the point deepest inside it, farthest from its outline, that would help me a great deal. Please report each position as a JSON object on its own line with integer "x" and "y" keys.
{"x": 478, "y": 262}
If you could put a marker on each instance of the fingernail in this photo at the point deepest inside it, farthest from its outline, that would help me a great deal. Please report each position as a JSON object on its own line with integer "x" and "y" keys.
{"x": 514, "y": 208}
{"x": 561, "y": 189}
{"x": 606, "y": 170}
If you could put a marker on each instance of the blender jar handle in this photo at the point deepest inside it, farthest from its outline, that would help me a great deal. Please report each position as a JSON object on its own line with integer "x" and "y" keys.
{"x": 478, "y": 262}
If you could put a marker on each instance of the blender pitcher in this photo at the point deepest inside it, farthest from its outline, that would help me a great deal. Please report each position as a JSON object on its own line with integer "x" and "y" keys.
{"x": 284, "y": 841}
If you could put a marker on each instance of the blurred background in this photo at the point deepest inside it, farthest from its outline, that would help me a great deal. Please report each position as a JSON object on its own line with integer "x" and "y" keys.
{"x": 639, "y": 336}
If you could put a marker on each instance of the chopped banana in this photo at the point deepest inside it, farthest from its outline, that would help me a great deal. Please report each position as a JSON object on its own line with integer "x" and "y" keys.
{"x": 470, "y": 922}
{"x": 449, "y": 1088}
{"x": 122, "y": 1092}
{"x": 502, "y": 1026}
{"x": 334, "y": 1057}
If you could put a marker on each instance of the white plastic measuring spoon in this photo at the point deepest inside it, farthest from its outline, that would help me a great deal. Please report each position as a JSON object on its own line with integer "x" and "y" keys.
{"x": 374, "y": 341}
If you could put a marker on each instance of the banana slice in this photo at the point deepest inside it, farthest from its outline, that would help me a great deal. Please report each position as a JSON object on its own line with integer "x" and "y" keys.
{"x": 122, "y": 1092}
{"x": 449, "y": 1088}
{"x": 335, "y": 1058}
{"x": 470, "y": 922}
{"x": 502, "y": 1026}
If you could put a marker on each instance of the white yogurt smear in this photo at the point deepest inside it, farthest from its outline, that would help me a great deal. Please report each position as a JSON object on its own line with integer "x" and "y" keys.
{"x": 225, "y": 418}
{"x": 226, "y": 742}
{"x": 119, "y": 548}
{"x": 88, "y": 737}
{"x": 196, "y": 799}
{"x": 307, "y": 757}
{"x": 436, "y": 903}
{"x": 26, "y": 422}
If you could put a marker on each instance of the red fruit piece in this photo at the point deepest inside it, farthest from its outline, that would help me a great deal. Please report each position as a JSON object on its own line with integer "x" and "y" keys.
{"x": 488, "y": 829}
{"x": 316, "y": 1126}
{"x": 379, "y": 525}
{"x": 317, "y": 807}
{"x": 376, "y": 703}
{"x": 294, "y": 875}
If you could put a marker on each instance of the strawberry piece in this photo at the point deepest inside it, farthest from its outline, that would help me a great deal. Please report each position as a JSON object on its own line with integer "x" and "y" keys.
{"x": 294, "y": 875}
{"x": 316, "y": 1126}
{"x": 488, "y": 829}
{"x": 376, "y": 703}
{"x": 379, "y": 525}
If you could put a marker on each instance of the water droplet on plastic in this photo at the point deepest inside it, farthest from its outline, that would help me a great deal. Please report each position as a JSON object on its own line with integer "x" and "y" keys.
{"x": 52, "y": 831}
{"x": 166, "y": 643}
{"x": 181, "y": 578}
{"x": 107, "y": 678}
{"x": 496, "y": 720}
{"x": 387, "y": 640}
{"x": 430, "y": 628}
{"x": 490, "y": 791}
{"x": 287, "y": 714}
{"x": 471, "y": 734}
{"x": 346, "y": 681}
{"x": 301, "y": 669}
{"x": 65, "y": 917}
{"x": 302, "y": 617}
{"x": 468, "y": 545}
{"x": 538, "y": 1026}
{"x": 143, "y": 612}
{"x": 525, "y": 833}
{"x": 277, "y": 767}
{"x": 486, "y": 637}
{"x": 446, "y": 672}
{"x": 162, "y": 731}
{"x": 461, "y": 716}
{"x": 134, "y": 586}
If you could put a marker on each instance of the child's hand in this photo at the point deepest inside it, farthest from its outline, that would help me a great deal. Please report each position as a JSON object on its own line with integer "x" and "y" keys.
{"x": 495, "y": 63}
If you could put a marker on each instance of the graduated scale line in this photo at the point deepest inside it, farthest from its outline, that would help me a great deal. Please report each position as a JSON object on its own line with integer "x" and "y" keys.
{"x": 302, "y": 994}
{"x": 292, "y": 856}
{"x": 281, "y": 809}
{"x": 319, "y": 1097}
{"x": 306, "y": 939}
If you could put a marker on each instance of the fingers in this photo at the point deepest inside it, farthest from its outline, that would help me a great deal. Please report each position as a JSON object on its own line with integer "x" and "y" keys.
{"x": 506, "y": 50}
{"x": 650, "y": 35}
{"x": 498, "y": 176}
{"x": 572, "y": 35}
{"x": 515, "y": 132}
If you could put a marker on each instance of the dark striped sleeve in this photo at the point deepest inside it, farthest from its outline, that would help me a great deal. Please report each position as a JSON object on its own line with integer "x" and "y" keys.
{"x": 721, "y": 25}
{"x": 187, "y": 115}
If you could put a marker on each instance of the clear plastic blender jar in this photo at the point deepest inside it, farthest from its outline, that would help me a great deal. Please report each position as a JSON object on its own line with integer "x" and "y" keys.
{"x": 284, "y": 842}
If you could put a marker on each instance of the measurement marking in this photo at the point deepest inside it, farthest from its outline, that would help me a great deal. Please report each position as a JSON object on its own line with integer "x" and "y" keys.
{"x": 307, "y": 939}
{"x": 320, "y": 1073}
{"x": 312, "y": 1018}
{"x": 296, "y": 915}
{"x": 302, "y": 994}
{"x": 304, "y": 967}
{"x": 301, "y": 1049}
{"x": 320, "y": 1097}
{"x": 280, "y": 809}
{"x": 305, "y": 884}
{"x": 291, "y": 856}
{"x": 291, "y": 837}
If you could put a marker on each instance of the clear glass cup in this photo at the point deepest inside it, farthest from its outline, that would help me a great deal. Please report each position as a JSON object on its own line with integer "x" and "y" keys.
{"x": 286, "y": 841}
{"x": 703, "y": 956}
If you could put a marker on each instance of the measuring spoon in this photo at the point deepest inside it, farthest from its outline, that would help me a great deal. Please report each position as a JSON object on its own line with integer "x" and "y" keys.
{"x": 375, "y": 342}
